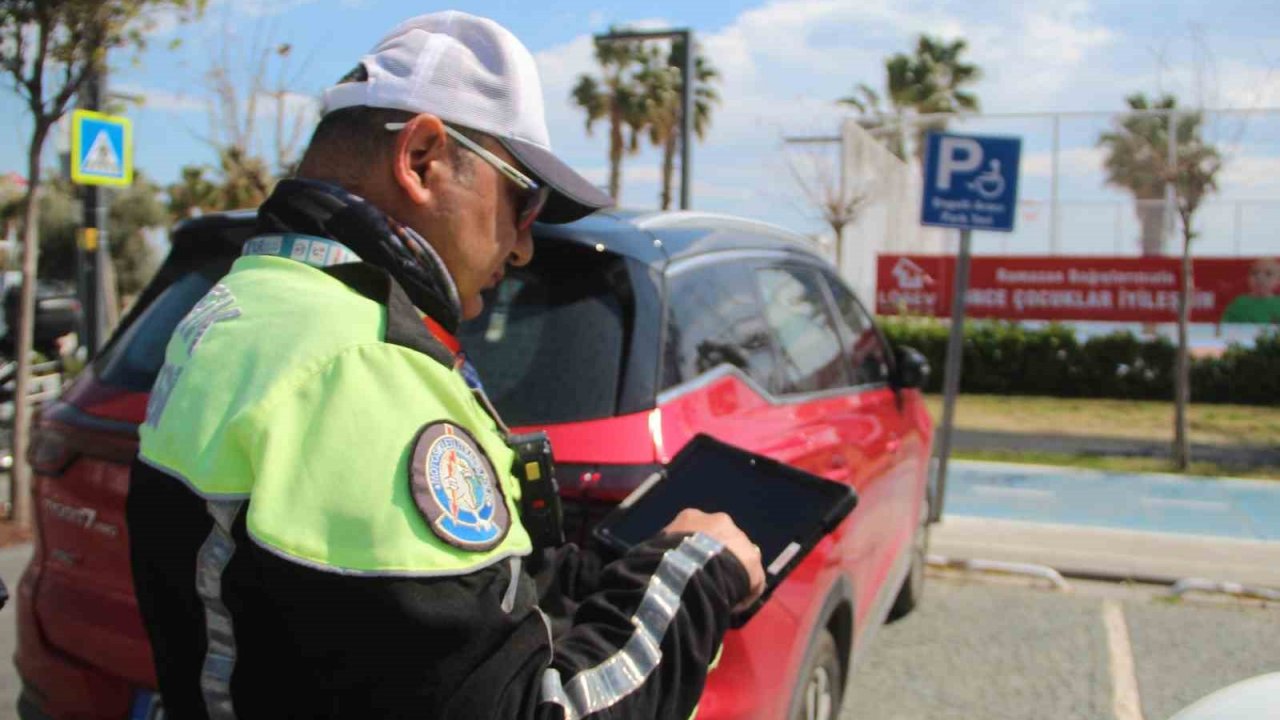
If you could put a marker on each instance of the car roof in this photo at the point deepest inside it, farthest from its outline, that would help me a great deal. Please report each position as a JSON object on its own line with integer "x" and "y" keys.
{"x": 654, "y": 238}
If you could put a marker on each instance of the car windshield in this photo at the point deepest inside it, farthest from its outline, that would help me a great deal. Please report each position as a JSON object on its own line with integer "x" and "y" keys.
{"x": 549, "y": 345}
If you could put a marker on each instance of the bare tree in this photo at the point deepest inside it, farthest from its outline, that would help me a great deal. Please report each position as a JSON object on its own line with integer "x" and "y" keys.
{"x": 247, "y": 86}
{"x": 827, "y": 191}
{"x": 48, "y": 48}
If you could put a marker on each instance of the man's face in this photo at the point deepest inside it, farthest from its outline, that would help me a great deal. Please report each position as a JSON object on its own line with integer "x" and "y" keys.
{"x": 1264, "y": 278}
{"x": 485, "y": 238}
{"x": 471, "y": 222}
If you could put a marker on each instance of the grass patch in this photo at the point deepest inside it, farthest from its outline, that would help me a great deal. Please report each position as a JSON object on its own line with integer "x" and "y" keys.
{"x": 1118, "y": 464}
{"x": 1226, "y": 425}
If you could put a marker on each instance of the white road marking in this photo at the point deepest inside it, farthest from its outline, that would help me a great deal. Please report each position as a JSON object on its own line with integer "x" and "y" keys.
{"x": 1186, "y": 504}
{"x": 1125, "y": 704}
{"x": 1012, "y": 492}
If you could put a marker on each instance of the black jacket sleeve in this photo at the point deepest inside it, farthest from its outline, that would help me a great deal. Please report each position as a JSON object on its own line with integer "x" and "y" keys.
{"x": 564, "y": 576}
{"x": 629, "y": 653}
{"x": 319, "y": 644}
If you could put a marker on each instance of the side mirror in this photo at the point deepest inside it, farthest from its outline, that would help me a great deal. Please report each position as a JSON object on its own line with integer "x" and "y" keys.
{"x": 911, "y": 368}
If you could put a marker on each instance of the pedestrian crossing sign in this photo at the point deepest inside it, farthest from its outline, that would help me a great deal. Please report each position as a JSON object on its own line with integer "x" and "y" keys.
{"x": 101, "y": 149}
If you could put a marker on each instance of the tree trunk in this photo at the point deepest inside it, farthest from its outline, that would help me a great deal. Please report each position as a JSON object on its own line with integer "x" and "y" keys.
{"x": 20, "y": 490}
{"x": 1151, "y": 220}
{"x": 615, "y": 154}
{"x": 838, "y": 229}
{"x": 668, "y": 168}
{"x": 1182, "y": 377}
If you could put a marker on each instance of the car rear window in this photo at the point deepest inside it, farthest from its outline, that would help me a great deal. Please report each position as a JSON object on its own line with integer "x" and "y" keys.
{"x": 550, "y": 343}
{"x": 132, "y": 361}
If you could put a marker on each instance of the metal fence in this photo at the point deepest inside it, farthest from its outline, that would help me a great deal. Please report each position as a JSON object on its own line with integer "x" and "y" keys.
{"x": 1066, "y": 203}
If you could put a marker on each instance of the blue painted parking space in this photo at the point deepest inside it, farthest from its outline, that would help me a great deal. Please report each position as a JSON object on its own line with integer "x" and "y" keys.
{"x": 1223, "y": 507}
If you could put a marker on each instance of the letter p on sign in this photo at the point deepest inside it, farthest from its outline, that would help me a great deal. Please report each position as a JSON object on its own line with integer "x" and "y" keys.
{"x": 957, "y": 155}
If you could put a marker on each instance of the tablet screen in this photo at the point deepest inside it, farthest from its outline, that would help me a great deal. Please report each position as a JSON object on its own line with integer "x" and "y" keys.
{"x": 782, "y": 509}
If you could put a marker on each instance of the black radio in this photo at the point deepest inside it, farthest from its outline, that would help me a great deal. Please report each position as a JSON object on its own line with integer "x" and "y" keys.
{"x": 540, "y": 494}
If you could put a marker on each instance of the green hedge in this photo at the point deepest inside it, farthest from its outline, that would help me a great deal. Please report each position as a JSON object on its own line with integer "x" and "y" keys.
{"x": 1006, "y": 358}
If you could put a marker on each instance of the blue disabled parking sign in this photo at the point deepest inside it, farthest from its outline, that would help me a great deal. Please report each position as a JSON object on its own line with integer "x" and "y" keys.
{"x": 971, "y": 182}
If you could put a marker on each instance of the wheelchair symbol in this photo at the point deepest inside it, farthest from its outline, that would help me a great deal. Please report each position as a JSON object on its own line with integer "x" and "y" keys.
{"x": 989, "y": 184}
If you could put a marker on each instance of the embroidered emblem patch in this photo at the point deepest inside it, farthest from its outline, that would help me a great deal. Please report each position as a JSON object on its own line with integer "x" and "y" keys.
{"x": 456, "y": 489}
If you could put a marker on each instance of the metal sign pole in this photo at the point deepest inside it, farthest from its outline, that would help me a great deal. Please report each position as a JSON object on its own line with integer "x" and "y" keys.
{"x": 92, "y": 239}
{"x": 951, "y": 381}
{"x": 686, "y": 120}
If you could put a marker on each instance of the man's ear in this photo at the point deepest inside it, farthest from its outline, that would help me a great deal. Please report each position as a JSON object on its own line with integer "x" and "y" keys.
{"x": 419, "y": 147}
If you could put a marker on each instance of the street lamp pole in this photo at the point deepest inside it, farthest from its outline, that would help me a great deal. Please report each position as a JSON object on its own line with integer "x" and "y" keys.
{"x": 685, "y": 38}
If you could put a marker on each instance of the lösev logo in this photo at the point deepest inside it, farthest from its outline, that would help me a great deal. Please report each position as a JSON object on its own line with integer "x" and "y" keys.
{"x": 456, "y": 489}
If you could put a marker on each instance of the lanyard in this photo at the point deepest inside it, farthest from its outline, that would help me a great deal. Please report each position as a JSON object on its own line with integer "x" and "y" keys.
{"x": 315, "y": 251}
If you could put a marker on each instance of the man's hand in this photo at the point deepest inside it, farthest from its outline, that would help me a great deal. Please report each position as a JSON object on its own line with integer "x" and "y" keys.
{"x": 721, "y": 527}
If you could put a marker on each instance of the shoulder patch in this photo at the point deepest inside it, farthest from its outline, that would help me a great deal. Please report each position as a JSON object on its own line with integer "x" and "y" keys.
{"x": 456, "y": 489}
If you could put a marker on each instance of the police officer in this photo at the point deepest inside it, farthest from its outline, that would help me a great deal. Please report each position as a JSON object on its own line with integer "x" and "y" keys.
{"x": 324, "y": 517}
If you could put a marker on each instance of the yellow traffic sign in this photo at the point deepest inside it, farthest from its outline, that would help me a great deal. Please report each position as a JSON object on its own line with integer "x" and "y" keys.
{"x": 101, "y": 149}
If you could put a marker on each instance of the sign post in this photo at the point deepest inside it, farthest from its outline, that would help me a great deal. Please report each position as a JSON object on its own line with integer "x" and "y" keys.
{"x": 970, "y": 183}
{"x": 101, "y": 155}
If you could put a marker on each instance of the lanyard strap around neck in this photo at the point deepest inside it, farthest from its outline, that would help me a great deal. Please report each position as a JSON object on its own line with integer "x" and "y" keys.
{"x": 315, "y": 251}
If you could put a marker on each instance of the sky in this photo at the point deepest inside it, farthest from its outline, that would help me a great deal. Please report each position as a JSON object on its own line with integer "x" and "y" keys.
{"x": 783, "y": 64}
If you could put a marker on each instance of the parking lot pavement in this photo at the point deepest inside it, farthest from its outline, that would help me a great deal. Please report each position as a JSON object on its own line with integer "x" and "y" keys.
{"x": 1182, "y": 656}
{"x": 982, "y": 647}
{"x": 13, "y": 560}
{"x": 990, "y": 648}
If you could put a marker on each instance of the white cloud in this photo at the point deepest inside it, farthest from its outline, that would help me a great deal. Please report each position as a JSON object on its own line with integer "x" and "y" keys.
{"x": 1252, "y": 176}
{"x": 1249, "y": 86}
{"x": 1079, "y": 161}
{"x": 783, "y": 63}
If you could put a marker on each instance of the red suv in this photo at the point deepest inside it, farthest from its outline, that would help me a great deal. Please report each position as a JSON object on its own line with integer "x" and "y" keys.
{"x": 626, "y": 336}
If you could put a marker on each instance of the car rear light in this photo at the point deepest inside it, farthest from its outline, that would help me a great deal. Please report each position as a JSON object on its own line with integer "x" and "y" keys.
{"x": 50, "y": 453}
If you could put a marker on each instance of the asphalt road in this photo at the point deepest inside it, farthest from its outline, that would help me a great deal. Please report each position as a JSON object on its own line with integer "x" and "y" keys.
{"x": 993, "y": 649}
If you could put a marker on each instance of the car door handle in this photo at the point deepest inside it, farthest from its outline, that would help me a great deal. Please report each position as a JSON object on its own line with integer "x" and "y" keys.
{"x": 839, "y": 461}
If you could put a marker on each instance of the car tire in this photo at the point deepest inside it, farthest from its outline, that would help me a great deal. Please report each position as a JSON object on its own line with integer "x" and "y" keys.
{"x": 913, "y": 584}
{"x": 821, "y": 686}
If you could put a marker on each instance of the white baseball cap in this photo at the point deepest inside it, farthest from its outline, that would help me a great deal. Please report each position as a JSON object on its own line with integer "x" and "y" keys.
{"x": 470, "y": 71}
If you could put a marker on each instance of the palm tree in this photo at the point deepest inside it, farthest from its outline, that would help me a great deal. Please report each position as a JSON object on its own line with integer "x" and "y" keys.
{"x": 943, "y": 77}
{"x": 1138, "y": 158}
{"x": 1138, "y": 161}
{"x": 246, "y": 180}
{"x": 615, "y": 96}
{"x": 929, "y": 81}
{"x": 193, "y": 194}
{"x": 661, "y": 84}
{"x": 876, "y": 119}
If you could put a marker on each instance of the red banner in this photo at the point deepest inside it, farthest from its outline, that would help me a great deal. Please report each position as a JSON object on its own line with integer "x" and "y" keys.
{"x": 1116, "y": 289}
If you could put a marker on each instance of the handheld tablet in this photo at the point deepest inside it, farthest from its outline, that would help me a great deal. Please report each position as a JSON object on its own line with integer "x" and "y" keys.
{"x": 784, "y": 510}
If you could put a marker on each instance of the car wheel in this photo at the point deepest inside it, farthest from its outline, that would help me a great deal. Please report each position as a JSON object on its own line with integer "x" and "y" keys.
{"x": 913, "y": 585}
{"x": 821, "y": 685}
